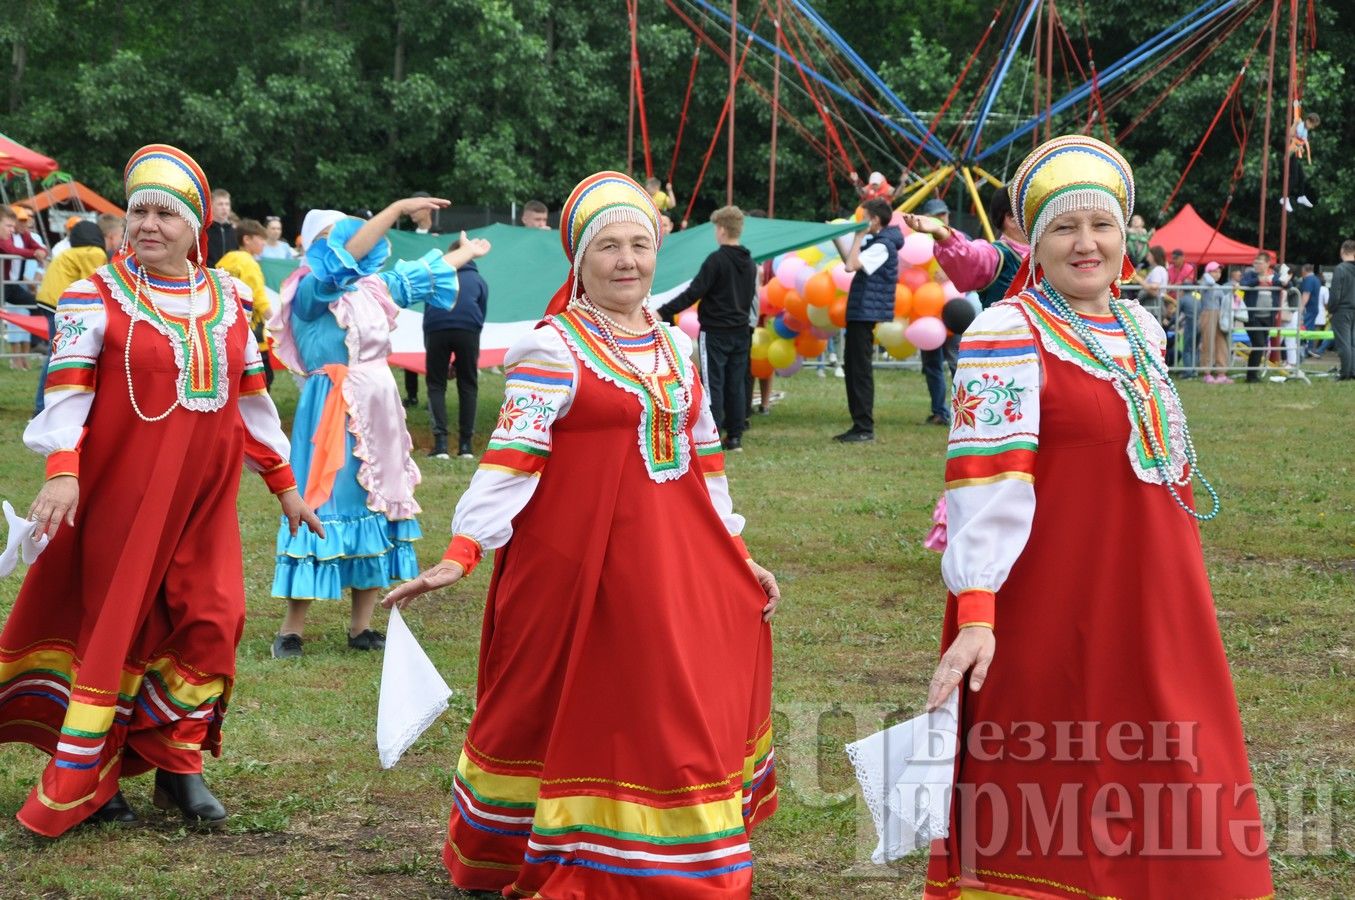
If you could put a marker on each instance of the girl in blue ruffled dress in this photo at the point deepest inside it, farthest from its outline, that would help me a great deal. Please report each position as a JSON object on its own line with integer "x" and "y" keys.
{"x": 350, "y": 447}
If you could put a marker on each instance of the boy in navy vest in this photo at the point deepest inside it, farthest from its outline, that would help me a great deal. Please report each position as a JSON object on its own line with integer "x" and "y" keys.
{"x": 874, "y": 258}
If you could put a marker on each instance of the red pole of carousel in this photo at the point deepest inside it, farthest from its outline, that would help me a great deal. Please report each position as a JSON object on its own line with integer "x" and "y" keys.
{"x": 630, "y": 120}
{"x": 733, "y": 83}
{"x": 1292, "y": 109}
{"x": 776, "y": 110}
{"x": 1265, "y": 143}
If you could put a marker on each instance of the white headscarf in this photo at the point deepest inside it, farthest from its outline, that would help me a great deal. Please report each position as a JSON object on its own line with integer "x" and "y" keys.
{"x": 316, "y": 221}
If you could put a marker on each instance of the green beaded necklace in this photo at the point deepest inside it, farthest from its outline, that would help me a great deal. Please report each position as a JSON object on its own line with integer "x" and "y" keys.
{"x": 1146, "y": 362}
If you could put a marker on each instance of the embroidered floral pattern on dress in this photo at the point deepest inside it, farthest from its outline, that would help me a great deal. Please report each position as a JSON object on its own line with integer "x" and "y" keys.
{"x": 987, "y": 400}
{"x": 523, "y": 413}
{"x": 69, "y": 328}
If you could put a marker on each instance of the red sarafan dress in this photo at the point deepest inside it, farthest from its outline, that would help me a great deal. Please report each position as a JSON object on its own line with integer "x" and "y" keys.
{"x": 621, "y": 746}
{"x": 119, "y": 653}
{"x": 1104, "y": 755}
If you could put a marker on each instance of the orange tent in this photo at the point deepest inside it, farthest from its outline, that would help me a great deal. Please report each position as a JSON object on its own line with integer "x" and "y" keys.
{"x": 68, "y": 192}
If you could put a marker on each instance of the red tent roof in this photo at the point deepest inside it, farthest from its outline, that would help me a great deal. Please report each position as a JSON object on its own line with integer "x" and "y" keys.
{"x": 17, "y": 156}
{"x": 1201, "y": 243}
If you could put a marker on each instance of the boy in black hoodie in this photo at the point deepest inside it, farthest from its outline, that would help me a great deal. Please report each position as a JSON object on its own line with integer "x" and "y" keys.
{"x": 725, "y": 284}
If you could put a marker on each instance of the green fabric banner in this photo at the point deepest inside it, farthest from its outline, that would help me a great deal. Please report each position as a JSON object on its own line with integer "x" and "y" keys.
{"x": 527, "y": 264}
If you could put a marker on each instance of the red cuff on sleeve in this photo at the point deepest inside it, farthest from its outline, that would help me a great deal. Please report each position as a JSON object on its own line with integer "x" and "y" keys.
{"x": 742, "y": 547}
{"x": 63, "y": 462}
{"x": 975, "y": 607}
{"x": 279, "y": 478}
{"x": 465, "y": 551}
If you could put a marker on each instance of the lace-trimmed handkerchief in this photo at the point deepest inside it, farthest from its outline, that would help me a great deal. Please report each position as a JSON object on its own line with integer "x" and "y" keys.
{"x": 413, "y": 694}
{"x": 20, "y": 542}
{"x": 907, "y": 775}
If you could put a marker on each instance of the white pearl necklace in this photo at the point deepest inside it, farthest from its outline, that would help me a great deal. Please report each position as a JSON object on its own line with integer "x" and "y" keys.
{"x": 188, "y": 344}
{"x": 649, "y": 380}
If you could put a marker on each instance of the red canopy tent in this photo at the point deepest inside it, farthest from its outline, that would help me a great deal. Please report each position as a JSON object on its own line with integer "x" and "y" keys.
{"x": 1201, "y": 243}
{"x": 14, "y": 155}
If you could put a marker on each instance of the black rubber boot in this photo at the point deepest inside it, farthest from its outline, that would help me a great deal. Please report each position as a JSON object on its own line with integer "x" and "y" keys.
{"x": 188, "y": 794}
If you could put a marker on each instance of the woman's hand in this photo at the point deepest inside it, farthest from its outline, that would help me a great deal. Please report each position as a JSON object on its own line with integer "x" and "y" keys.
{"x": 55, "y": 504}
{"x": 411, "y": 205}
{"x": 972, "y": 648}
{"x": 465, "y": 250}
{"x": 444, "y": 574}
{"x": 768, "y": 582}
{"x": 926, "y": 225}
{"x": 296, "y": 511}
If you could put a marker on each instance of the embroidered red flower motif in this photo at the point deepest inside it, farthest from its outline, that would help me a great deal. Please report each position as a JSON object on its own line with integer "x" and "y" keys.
{"x": 509, "y": 415}
{"x": 964, "y": 406}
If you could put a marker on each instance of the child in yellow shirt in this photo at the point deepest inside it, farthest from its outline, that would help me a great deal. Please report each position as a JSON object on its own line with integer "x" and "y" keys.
{"x": 243, "y": 264}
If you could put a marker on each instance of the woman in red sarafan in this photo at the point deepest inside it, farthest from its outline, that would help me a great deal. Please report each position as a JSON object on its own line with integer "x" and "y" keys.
{"x": 1101, "y": 753}
{"x": 621, "y": 745}
{"x": 119, "y": 653}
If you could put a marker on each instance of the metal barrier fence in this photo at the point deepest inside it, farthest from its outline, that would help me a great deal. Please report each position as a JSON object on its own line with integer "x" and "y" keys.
{"x": 14, "y": 336}
{"x": 1223, "y": 331}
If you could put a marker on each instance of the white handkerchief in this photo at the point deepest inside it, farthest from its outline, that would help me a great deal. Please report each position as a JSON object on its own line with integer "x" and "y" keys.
{"x": 907, "y": 774}
{"x": 20, "y": 541}
{"x": 413, "y": 694}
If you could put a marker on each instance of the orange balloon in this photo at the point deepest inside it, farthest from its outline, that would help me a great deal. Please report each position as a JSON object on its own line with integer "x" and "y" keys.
{"x": 809, "y": 346}
{"x": 928, "y": 300}
{"x": 797, "y": 306}
{"x": 820, "y": 290}
{"x": 903, "y": 301}
{"x": 838, "y": 312}
{"x": 761, "y": 368}
{"x": 914, "y": 277}
{"x": 776, "y": 298}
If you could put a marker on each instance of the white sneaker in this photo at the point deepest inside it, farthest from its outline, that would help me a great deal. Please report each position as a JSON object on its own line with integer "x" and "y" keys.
{"x": 839, "y": 373}
{"x": 1302, "y": 200}
{"x": 1288, "y": 207}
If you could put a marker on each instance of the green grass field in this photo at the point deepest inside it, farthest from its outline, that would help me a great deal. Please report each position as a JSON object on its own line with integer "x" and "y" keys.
{"x": 313, "y": 815}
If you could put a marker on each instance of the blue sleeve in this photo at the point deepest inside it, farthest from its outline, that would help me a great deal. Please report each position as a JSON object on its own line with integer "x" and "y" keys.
{"x": 313, "y": 297}
{"x": 484, "y": 298}
{"x": 428, "y": 279}
{"x": 331, "y": 263}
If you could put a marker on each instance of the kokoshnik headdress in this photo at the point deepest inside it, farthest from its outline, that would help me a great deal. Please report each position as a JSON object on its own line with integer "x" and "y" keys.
{"x": 1069, "y": 173}
{"x": 598, "y": 201}
{"x": 161, "y": 175}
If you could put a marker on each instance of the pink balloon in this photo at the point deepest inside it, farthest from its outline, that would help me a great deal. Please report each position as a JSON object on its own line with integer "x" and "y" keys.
{"x": 789, "y": 269}
{"x": 917, "y": 249}
{"x": 793, "y": 323}
{"x": 897, "y": 221}
{"x": 951, "y": 290}
{"x": 792, "y": 368}
{"x": 822, "y": 334}
{"x": 689, "y": 323}
{"x": 841, "y": 277}
{"x": 926, "y": 333}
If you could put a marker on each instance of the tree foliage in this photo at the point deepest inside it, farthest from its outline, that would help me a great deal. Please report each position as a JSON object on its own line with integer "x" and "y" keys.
{"x": 294, "y": 103}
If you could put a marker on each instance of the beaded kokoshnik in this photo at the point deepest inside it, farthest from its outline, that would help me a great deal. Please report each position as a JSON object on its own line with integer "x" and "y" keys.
{"x": 1144, "y": 361}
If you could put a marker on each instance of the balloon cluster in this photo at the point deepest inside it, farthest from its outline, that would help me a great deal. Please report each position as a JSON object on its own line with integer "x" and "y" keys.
{"x": 927, "y": 307}
{"x": 805, "y": 304}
